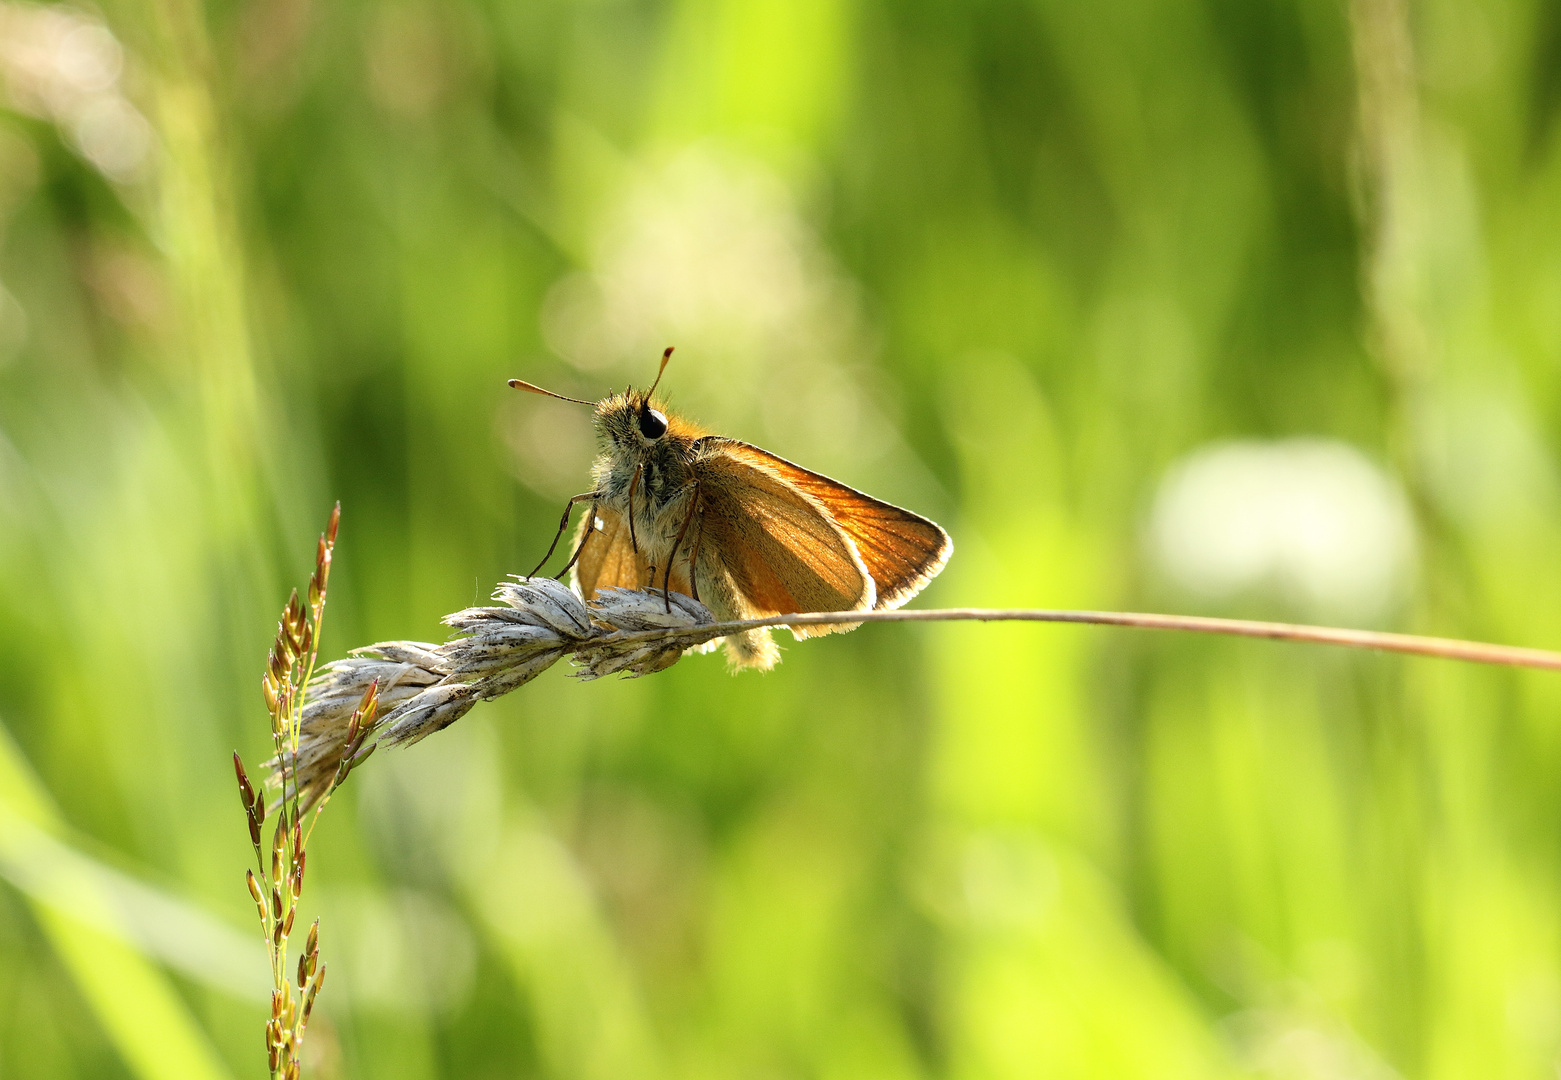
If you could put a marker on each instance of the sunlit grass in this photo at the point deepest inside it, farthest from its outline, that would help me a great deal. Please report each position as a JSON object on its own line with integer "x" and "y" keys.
{"x": 1006, "y": 263}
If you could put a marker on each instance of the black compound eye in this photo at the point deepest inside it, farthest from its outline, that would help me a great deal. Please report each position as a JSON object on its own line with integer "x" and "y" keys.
{"x": 653, "y": 425}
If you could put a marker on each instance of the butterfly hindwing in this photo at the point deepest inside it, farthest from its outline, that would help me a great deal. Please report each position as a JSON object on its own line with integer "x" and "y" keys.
{"x": 902, "y": 551}
{"x": 779, "y": 551}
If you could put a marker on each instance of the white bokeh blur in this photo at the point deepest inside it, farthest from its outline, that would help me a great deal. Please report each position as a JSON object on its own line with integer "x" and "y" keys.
{"x": 62, "y": 64}
{"x": 1312, "y": 524}
{"x": 710, "y": 252}
{"x": 707, "y": 249}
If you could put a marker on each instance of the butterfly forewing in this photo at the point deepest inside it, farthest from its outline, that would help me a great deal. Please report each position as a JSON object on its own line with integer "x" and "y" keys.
{"x": 902, "y": 551}
{"x": 778, "y": 551}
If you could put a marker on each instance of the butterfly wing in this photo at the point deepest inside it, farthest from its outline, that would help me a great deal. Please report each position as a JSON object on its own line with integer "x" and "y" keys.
{"x": 773, "y": 538}
{"x": 607, "y": 557}
{"x": 902, "y": 551}
{"x": 768, "y": 549}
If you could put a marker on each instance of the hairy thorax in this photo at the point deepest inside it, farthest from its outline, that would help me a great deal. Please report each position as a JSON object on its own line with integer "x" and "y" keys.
{"x": 653, "y": 478}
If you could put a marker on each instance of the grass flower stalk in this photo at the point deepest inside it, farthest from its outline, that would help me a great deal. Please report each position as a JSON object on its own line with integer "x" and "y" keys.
{"x": 276, "y": 883}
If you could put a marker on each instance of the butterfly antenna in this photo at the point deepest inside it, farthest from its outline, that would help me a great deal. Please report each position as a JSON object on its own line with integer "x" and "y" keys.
{"x": 522, "y": 384}
{"x": 664, "y": 358}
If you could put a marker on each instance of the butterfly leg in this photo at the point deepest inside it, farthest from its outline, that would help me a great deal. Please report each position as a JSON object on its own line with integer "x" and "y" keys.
{"x": 562, "y": 525}
{"x": 693, "y": 558}
{"x": 590, "y": 527}
{"x": 666, "y": 579}
{"x": 634, "y": 540}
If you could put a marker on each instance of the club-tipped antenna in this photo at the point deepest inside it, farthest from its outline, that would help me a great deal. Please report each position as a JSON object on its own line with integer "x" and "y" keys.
{"x": 664, "y": 358}
{"x": 522, "y": 384}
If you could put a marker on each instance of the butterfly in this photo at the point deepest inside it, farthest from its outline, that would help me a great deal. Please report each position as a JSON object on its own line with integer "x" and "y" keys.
{"x": 744, "y": 532}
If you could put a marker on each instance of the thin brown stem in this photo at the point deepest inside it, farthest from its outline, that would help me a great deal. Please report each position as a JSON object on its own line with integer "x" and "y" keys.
{"x": 1477, "y": 652}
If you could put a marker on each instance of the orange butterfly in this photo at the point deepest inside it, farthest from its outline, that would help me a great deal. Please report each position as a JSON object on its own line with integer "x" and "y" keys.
{"x": 746, "y": 533}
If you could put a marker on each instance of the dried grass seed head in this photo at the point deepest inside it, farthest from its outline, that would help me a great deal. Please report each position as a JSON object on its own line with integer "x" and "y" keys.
{"x": 635, "y": 610}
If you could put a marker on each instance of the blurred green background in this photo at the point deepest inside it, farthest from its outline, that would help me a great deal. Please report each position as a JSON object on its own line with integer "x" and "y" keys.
{"x": 1231, "y": 306}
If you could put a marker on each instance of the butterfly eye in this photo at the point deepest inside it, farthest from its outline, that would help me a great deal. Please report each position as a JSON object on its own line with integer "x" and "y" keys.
{"x": 653, "y": 425}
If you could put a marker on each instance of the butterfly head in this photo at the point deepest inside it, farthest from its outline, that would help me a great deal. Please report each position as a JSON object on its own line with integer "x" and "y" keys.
{"x": 628, "y": 425}
{"x": 639, "y": 437}
{"x": 636, "y": 433}
{"x": 636, "y": 425}
{"x": 631, "y": 422}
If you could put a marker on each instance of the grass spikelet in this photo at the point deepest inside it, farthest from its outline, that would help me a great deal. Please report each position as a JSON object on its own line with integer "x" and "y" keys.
{"x": 277, "y": 882}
